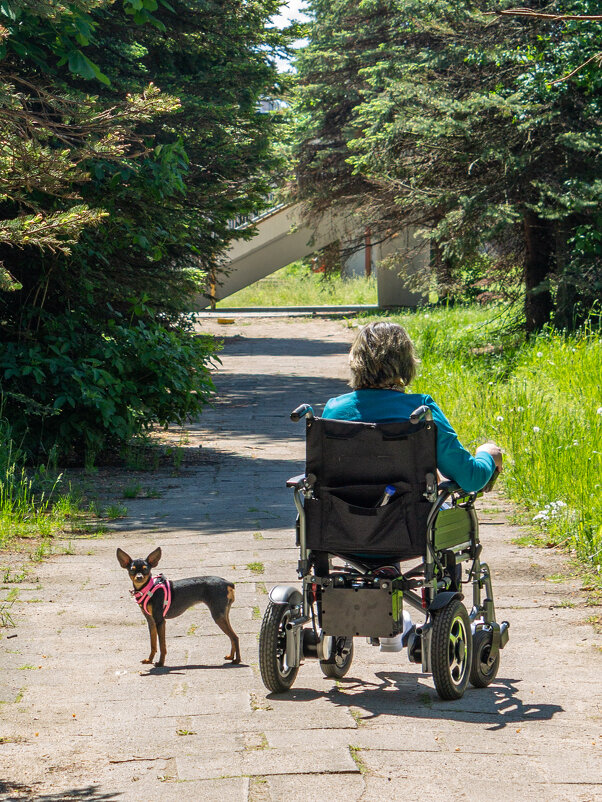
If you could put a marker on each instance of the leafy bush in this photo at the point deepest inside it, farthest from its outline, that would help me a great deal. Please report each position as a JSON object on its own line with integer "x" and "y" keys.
{"x": 95, "y": 386}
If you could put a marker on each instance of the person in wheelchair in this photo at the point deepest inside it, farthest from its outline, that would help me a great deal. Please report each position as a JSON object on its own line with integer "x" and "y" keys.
{"x": 371, "y": 498}
{"x": 383, "y": 364}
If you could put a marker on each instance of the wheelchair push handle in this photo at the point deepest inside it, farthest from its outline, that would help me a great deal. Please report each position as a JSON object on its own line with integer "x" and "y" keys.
{"x": 421, "y": 413}
{"x": 302, "y": 411}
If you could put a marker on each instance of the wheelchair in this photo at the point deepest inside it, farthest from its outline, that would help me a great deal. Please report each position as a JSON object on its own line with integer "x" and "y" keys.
{"x": 369, "y": 501}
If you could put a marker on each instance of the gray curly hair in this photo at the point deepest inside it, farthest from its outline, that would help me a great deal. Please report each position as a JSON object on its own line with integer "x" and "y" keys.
{"x": 382, "y": 354}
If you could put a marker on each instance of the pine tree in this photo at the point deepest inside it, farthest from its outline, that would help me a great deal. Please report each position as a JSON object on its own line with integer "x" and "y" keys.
{"x": 453, "y": 123}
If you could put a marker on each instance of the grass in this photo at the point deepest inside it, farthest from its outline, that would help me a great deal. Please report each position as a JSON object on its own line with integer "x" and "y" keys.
{"x": 295, "y": 285}
{"x": 356, "y": 756}
{"x": 540, "y": 400}
{"x": 35, "y": 505}
{"x": 113, "y": 511}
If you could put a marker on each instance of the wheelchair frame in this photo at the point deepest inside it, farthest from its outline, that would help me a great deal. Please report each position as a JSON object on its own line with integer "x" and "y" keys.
{"x": 443, "y": 644}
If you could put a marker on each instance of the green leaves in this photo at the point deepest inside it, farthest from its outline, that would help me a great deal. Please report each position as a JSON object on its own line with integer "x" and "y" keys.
{"x": 120, "y": 190}
{"x": 81, "y": 65}
{"x": 106, "y": 386}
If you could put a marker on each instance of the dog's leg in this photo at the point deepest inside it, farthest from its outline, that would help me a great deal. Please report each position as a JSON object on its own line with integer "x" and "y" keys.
{"x": 225, "y": 626}
{"x": 152, "y": 631}
{"x": 162, "y": 646}
{"x": 222, "y": 619}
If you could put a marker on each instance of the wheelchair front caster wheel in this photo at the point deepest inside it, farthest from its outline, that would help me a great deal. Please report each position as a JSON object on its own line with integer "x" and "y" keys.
{"x": 276, "y": 674}
{"x": 482, "y": 673}
{"x": 451, "y": 650}
{"x": 341, "y": 660}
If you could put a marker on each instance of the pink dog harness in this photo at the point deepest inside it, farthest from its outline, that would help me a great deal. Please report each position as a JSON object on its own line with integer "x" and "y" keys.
{"x": 144, "y": 595}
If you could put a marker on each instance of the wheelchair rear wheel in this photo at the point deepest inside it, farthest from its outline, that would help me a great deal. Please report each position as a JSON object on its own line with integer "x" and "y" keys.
{"x": 342, "y": 659}
{"x": 481, "y": 673}
{"x": 451, "y": 650}
{"x": 276, "y": 674}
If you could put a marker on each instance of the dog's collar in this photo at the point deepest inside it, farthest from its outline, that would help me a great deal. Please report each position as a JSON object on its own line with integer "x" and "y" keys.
{"x": 144, "y": 595}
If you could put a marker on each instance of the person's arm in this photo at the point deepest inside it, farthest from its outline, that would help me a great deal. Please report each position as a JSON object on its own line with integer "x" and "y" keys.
{"x": 454, "y": 461}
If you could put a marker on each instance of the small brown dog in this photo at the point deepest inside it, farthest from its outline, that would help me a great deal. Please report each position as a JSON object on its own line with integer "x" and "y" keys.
{"x": 160, "y": 598}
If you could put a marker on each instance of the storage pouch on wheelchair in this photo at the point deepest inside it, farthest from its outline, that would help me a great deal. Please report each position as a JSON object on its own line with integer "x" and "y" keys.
{"x": 348, "y": 520}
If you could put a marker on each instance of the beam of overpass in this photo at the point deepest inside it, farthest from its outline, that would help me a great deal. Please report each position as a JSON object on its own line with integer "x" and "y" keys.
{"x": 283, "y": 236}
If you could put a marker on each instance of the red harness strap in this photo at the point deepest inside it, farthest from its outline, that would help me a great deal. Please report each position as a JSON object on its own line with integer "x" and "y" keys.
{"x": 144, "y": 595}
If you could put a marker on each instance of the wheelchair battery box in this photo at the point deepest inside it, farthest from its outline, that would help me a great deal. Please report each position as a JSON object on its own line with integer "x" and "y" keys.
{"x": 362, "y": 606}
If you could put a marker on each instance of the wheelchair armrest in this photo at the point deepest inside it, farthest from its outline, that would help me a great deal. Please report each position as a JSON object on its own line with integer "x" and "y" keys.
{"x": 491, "y": 482}
{"x": 449, "y": 486}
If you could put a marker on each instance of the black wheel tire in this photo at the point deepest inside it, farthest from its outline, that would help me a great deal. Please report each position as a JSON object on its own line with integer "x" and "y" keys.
{"x": 451, "y": 650}
{"x": 482, "y": 674}
{"x": 341, "y": 664}
{"x": 277, "y": 676}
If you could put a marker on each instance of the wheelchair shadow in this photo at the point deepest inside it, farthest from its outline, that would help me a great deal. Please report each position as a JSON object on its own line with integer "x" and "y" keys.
{"x": 399, "y": 694}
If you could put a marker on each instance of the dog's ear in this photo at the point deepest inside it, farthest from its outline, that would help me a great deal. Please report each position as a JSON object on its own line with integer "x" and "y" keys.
{"x": 154, "y": 557}
{"x": 124, "y": 559}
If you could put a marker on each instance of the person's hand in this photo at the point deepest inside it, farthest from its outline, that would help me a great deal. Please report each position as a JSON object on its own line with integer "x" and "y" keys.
{"x": 495, "y": 451}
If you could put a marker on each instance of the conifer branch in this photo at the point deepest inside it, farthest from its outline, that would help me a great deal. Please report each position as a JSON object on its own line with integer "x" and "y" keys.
{"x": 528, "y": 12}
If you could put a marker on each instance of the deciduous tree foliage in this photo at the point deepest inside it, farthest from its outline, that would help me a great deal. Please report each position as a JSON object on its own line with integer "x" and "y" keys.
{"x": 130, "y": 137}
{"x": 448, "y": 116}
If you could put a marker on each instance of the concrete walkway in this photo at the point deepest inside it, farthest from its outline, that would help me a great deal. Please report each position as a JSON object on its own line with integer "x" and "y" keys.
{"x": 81, "y": 718}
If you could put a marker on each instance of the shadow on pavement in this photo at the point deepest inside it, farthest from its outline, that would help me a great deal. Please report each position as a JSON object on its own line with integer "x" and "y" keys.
{"x": 269, "y": 400}
{"x": 232, "y": 492}
{"x": 159, "y": 670}
{"x": 399, "y": 694}
{"x": 21, "y": 793}
{"x": 240, "y": 345}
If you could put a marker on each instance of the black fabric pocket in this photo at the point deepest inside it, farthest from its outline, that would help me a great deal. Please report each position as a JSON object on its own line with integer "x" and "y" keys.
{"x": 347, "y": 520}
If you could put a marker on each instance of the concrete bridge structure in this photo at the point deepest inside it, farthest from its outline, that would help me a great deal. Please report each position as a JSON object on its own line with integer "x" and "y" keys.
{"x": 283, "y": 236}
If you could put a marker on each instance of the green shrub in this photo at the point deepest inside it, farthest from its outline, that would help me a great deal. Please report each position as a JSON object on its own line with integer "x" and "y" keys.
{"x": 90, "y": 385}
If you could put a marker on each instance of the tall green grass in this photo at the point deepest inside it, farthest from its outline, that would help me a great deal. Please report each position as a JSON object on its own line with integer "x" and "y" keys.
{"x": 33, "y": 504}
{"x": 540, "y": 400}
{"x": 296, "y": 286}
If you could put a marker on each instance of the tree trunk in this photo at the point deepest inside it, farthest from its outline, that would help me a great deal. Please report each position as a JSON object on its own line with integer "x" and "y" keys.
{"x": 443, "y": 273}
{"x": 539, "y": 260}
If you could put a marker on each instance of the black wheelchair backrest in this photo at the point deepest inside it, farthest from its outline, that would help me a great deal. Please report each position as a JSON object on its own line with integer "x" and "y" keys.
{"x": 353, "y": 463}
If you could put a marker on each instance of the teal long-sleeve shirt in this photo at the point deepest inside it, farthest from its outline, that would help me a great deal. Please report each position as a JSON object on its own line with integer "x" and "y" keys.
{"x": 385, "y": 406}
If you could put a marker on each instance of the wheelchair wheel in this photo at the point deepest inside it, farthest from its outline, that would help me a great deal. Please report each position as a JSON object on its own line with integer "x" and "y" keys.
{"x": 342, "y": 662}
{"x": 481, "y": 673}
{"x": 276, "y": 674}
{"x": 451, "y": 650}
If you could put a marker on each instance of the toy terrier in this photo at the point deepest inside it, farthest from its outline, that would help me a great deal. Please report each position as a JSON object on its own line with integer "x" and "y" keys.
{"x": 160, "y": 598}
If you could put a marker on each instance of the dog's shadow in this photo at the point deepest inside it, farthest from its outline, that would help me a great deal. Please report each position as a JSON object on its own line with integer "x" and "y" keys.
{"x": 157, "y": 671}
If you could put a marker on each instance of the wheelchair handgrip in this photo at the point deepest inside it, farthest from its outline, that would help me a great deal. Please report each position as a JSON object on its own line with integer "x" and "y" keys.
{"x": 422, "y": 413}
{"x": 301, "y": 412}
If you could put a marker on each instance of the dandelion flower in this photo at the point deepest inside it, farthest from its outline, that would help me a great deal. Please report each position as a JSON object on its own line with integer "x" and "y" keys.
{"x": 536, "y": 429}
{"x": 499, "y": 418}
